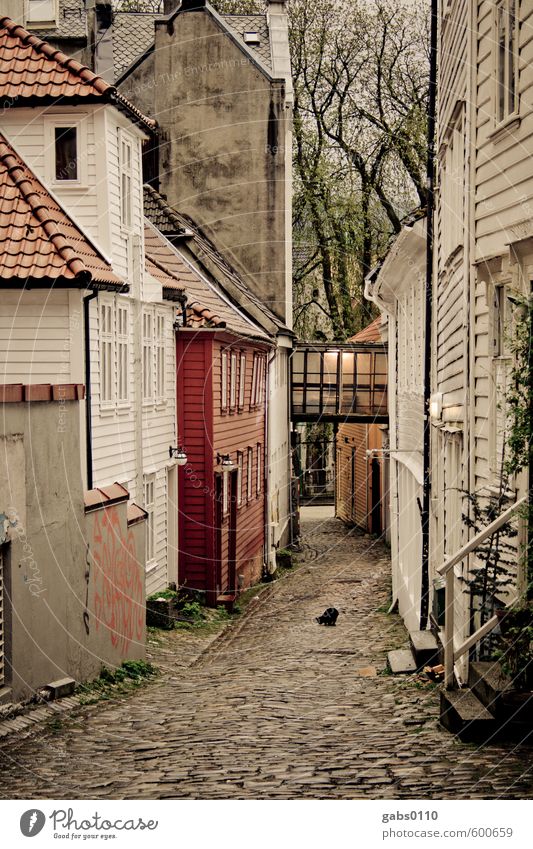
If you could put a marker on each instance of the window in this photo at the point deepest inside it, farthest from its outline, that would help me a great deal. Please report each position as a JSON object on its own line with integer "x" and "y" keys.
{"x": 107, "y": 393}
{"x": 259, "y": 481}
{"x": 160, "y": 357}
{"x": 240, "y": 461}
{"x": 249, "y": 472}
{"x": 452, "y": 195}
{"x": 114, "y": 352}
{"x": 41, "y": 11}
{"x": 242, "y": 380}
{"x": 122, "y": 352}
{"x": 126, "y": 198}
{"x": 149, "y": 506}
{"x": 224, "y": 381}
{"x": 233, "y": 382}
{"x": 66, "y": 153}
{"x": 501, "y": 323}
{"x": 148, "y": 356}
{"x": 258, "y": 381}
{"x": 506, "y": 60}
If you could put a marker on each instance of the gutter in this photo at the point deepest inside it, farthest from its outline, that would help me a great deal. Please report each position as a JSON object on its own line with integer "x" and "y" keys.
{"x": 88, "y": 405}
{"x": 426, "y": 502}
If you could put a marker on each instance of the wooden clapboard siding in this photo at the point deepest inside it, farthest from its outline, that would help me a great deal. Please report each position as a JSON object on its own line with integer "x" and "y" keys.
{"x": 233, "y": 432}
{"x": 206, "y": 431}
{"x": 354, "y": 495}
{"x": 36, "y": 338}
{"x": 196, "y": 496}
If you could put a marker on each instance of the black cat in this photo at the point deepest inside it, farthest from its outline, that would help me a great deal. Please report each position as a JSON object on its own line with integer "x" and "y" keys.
{"x": 329, "y": 617}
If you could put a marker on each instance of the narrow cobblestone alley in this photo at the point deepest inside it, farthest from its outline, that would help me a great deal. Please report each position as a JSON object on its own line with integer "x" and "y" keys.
{"x": 277, "y": 708}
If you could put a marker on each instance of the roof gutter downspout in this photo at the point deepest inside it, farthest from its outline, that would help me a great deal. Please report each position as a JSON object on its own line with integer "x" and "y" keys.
{"x": 424, "y": 597}
{"x": 88, "y": 405}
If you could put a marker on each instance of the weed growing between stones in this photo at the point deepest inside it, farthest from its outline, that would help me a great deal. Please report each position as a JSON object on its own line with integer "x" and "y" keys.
{"x": 129, "y": 676}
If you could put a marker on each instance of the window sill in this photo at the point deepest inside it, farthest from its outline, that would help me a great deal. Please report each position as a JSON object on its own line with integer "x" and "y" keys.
{"x": 71, "y": 186}
{"x": 504, "y": 128}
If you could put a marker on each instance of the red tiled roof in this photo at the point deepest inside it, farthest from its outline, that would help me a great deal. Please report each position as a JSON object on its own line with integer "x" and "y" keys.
{"x": 30, "y": 68}
{"x": 38, "y": 241}
{"x": 370, "y": 333}
{"x": 206, "y": 307}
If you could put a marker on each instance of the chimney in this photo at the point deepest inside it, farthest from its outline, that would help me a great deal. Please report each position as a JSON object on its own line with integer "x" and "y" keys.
{"x": 187, "y": 5}
{"x": 278, "y": 27}
{"x": 103, "y": 41}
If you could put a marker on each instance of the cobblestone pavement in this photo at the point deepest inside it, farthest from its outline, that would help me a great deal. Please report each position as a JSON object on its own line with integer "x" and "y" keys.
{"x": 278, "y": 708}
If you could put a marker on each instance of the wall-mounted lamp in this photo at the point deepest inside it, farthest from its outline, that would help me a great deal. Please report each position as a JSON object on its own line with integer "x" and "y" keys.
{"x": 435, "y": 406}
{"x": 178, "y": 454}
{"x": 225, "y": 461}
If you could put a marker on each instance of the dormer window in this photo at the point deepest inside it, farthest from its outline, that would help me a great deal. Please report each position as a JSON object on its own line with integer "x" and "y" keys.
{"x": 66, "y": 153}
{"x": 252, "y": 39}
{"x": 41, "y": 12}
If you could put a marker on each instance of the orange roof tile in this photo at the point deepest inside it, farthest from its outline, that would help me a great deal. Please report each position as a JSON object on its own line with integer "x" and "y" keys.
{"x": 38, "y": 241}
{"x": 370, "y": 333}
{"x": 30, "y": 68}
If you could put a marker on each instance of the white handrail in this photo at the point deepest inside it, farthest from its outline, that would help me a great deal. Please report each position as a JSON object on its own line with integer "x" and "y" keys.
{"x": 470, "y": 546}
{"x": 450, "y": 655}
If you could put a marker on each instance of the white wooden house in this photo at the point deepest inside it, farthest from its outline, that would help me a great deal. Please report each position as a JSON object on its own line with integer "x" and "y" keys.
{"x": 483, "y": 258}
{"x": 84, "y": 142}
{"x": 398, "y": 289}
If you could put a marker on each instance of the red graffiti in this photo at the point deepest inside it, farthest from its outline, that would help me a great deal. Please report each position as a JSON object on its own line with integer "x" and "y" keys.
{"x": 118, "y": 581}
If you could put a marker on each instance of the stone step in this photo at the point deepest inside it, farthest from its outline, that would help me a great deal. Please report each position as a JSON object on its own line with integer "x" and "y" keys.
{"x": 425, "y": 648}
{"x": 226, "y": 600}
{"x": 487, "y": 680}
{"x": 462, "y": 713}
{"x": 401, "y": 661}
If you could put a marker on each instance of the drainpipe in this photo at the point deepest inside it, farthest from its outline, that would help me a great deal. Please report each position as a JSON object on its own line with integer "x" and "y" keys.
{"x": 424, "y": 599}
{"x": 88, "y": 405}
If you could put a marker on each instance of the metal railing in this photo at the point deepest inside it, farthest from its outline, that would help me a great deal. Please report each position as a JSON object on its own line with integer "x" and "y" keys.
{"x": 451, "y": 654}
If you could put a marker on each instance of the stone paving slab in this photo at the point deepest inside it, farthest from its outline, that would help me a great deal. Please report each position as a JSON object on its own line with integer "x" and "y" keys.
{"x": 275, "y": 709}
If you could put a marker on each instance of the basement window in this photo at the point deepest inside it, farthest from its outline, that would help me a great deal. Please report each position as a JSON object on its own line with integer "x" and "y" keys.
{"x": 66, "y": 153}
{"x": 252, "y": 38}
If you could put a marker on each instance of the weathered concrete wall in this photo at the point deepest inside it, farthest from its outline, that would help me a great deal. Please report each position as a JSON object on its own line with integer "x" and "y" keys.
{"x": 224, "y": 130}
{"x": 52, "y": 608}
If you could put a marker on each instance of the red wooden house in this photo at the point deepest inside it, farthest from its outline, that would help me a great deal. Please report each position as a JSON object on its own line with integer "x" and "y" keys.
{"x": 222, "y": 365}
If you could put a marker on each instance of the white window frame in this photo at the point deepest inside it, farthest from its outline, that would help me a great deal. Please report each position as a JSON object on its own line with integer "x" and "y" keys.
{"x": 240, "y": 464}
{"x": 106, "y": 333}
{"x": 48, "y": 21}
{"x": 233, "y": 381}
{"x": 249, "y": 473}
{"x": 259, "y": 480}
{"x": 125, "y": 167}
{"x": 506, "y": 65}
{"x": 224, "y": 381}
{"x": 63, "y": 121}
{"x": 148, "y": 360}
{"x": 123, "y": 352}
{"x": 501, "y": 321}
{"x": 149, "y": 498}
{"x": 160, "y": 348}
{"x": 242, "y": 380}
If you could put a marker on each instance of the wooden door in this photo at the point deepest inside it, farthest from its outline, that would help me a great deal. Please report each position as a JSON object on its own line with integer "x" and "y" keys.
{"x": 218, "y": 533}
{"x": 232, "y": 534}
